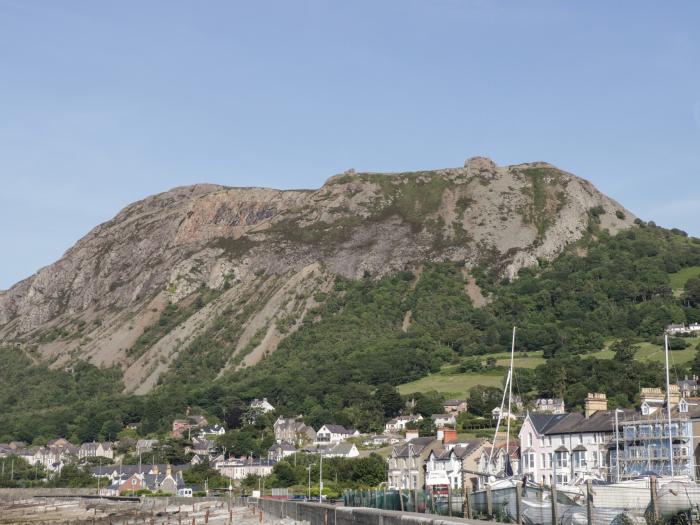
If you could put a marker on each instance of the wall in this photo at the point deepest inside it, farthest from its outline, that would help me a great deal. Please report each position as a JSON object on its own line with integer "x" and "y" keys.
{"x": 317, "y": 514}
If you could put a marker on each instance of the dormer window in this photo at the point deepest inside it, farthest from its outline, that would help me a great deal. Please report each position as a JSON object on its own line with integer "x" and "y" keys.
{"x": 683, "y": 406}
{"x": 645, "y": 409}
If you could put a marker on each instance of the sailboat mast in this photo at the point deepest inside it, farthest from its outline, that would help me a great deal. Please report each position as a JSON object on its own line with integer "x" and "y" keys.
{"x": 498, "y": 422}
{"x": 510, "y": 391}
{"x": 668, "y": 406}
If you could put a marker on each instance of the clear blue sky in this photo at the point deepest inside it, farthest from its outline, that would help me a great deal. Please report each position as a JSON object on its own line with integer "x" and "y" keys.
{"x": 102, "y": 103}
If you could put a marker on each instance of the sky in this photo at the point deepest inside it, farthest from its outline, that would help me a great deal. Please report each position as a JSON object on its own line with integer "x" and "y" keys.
{"x": 104, "y": 103}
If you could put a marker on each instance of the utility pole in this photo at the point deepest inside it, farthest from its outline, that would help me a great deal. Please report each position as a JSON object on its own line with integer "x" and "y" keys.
{"x": 617, "y": 448}
{"x": 309, "y": 469}
{"x": 320, "y": 479}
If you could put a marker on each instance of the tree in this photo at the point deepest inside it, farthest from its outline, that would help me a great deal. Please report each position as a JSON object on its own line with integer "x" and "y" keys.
{"x": 624, "y": 350}
{"x": 483, "y": 399}
{"x": 390, "y": 399}
{"x": 285, "y": 474}
{"x": 691, "y": 291}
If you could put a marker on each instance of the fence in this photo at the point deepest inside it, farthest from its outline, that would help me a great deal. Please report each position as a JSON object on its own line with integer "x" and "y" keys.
{"x": 639, "y": 502}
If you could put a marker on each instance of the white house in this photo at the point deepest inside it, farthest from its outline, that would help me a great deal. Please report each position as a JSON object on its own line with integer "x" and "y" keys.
{"x": 577, "y": 443}
{"x": 342, "y": 450}
{"x": 398, "y": 424}
{"x": 334, "y": 434}
{"x": 443, "y": 420}
{"x": 694, "y": 327}
{"x": 262, "y": 405}
{"x": 676, "y": 329}
{"x": 497, "y": 414}
{"x": 550, "y": 405}
{"x": 239, "y": 469}
{"x": 212, "y": 431}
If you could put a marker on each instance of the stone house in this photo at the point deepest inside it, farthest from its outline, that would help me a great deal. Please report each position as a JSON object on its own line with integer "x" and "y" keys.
{"x": 454, "y": 406}
{"x": 407, "y": 463}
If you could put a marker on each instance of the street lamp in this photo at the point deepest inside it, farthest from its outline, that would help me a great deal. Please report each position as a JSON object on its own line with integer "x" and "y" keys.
{"x": 309, "y": 469}
{"x": 320, "y": 478}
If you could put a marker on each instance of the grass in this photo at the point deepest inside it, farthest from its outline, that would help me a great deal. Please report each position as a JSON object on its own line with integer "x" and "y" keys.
{"x": 532, "y": 360}
{"x": 652, "y": 352}
{"x": 451, "y": 384}
{"x": 678, "y": 279}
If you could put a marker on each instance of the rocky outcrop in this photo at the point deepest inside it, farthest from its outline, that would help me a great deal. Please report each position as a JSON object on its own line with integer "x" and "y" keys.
{"x": 117, "y": 278}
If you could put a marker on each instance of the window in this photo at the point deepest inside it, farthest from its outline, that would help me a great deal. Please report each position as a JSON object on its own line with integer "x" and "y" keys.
{"x": 549, "y": 441}
{"x": 645, "y": 431}
{"x": 579, "y": 458}
{"x": 544, "y": 460}
{"x": 630, "y": 432}
{"x": 529, "y": 439}
{"x": 562, "y": 460}
{"x": 562, "y": 477}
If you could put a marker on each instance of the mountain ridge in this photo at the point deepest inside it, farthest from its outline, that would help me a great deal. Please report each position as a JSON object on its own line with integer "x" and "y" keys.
{"x": 238, "y": 245}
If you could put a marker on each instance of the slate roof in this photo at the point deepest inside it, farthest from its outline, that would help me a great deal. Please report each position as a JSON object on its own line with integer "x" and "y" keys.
{"x": 552, "y": 424}
{"x": 417, "y": 444}
{"x": 337, "y": 429}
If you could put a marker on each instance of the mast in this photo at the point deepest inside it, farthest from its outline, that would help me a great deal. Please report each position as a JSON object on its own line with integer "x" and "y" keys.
{"x": 509, "y": 388}
{"x": 510, "y": 391}
{"x": 668, "y": 405}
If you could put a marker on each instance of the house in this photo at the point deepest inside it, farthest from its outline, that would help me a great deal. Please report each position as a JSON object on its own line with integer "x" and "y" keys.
{"x": 239, "y": 469}
{"x": 644, "y": 439}
{"x": 334, "y": 434}
{"x": 201, "y": 446}
{"x": 494, "y": 460}
{"x": 443, "y": 420}
{"x": 398, "y": 424}
{"x": 694, "y": 327}
{"x": 407, "y": 463}
{"x": 547, "y": 405}
{"x": 454, "y": 406}
{"x": 689, "y": 387}
{"x": 182, "y": 427}
{"x": 293, "y": 431}
{"x": 145, "y": 445}
{"x": 453, "y": 464}
{"x": 380, "y": 440}
{"x": 676, "y": 329}
{"x": 497, "y": 414}
{"x": 261, "y": 405}
{"x": 342, "y": 450}
{"x": 96, "y": 450}
{"x": 654, "y": 399}
{"x": 279, "y": 451}
{"x": 212, "y": 431}
{"x": 571, "y": 444}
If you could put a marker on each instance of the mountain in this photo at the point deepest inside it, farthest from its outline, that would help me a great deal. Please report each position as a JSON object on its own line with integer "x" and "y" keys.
{"x": 139, "y": 289}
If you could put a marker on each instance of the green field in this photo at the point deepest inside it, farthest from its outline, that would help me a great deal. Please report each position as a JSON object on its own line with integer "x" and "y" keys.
{"x": 651, "y": 352}
{"x": 450, "y": 384}
{"x": 679, "y": 279}
{"x": 458, "y": 384}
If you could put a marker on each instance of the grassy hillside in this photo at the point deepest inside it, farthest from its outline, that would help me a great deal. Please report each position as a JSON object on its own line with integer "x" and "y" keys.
{"x": 679, "y": 278}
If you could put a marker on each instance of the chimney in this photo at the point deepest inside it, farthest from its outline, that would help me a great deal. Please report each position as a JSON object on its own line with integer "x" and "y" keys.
{"x": 169, "y": 470}
{"x": 440, "y": 434}
{"x": 594, "y": 402}
{"x": 449, "y": 435}
{"x": 674, "y": 395}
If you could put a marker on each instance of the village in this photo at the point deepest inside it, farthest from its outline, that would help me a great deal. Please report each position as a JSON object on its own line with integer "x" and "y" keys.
{"x": 548, "y": 445}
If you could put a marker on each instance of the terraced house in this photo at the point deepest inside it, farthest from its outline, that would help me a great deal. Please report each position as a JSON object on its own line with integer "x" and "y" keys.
{"x": 564, "y": 446}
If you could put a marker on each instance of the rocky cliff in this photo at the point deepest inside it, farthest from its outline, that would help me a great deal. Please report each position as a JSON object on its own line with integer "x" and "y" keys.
{"x": 136, "y": 290}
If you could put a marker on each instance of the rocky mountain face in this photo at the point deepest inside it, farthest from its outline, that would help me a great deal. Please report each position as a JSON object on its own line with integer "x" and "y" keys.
{"x": 138, "y": 289}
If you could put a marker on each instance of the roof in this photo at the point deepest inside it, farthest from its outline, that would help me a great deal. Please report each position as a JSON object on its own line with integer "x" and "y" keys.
{"x": 337, "y": 429}
{"x": 283, "y": 446}
{"x": 453, "y": 402}
{"x": 417, "y": 445}
{"x": 552, "y": 424}
{"x": 442, "y": 416}
{"x": 342, "y": 449}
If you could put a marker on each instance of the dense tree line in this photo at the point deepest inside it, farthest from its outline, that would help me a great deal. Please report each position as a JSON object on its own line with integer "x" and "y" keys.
{"x": 343, "y": 364}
